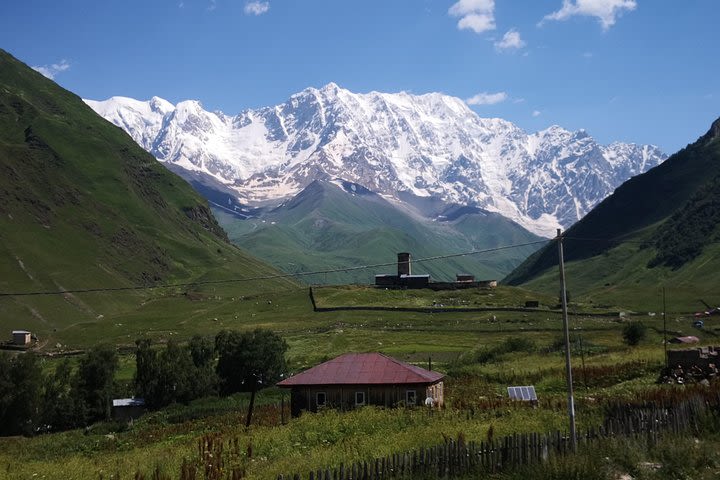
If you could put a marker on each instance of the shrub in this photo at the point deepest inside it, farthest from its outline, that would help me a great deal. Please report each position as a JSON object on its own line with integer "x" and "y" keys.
{"x": 633, "y": 333}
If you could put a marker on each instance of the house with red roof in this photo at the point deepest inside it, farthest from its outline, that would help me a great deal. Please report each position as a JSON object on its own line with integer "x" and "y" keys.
{"x": 356, "y": 379}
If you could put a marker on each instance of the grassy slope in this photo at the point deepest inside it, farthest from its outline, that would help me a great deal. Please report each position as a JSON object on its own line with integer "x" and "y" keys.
{"x": 326, "y": 227}
{"x": 314, "y": 441}
{"x": 616, "y": 240}
{"x": 82, "y": 206}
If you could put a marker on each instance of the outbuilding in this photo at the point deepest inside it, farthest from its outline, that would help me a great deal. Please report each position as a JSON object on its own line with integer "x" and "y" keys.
{"x": 21, "y": 337}
{"x": 357, "y": 379}
{"x": 687, "y": 339}
{"x": 126, "y": 409}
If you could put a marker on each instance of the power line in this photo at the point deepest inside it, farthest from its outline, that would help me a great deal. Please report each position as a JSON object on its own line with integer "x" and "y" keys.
{"x": 262, "y": 277}
{"x": 608, "y": 240}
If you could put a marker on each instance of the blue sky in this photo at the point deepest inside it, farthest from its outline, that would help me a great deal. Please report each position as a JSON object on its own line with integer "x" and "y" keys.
{"x": 644, "y": 71}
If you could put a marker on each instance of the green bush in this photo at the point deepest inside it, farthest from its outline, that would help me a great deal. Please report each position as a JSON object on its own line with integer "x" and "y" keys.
{"x": 484, "y": 355}
{"x": 633, "y": 333}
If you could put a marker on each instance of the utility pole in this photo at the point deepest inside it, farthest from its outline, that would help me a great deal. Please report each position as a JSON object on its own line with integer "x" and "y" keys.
{"x": 582, "y": 358}
{"x": 665, "y": 330}
{"x": 568, "y": 367}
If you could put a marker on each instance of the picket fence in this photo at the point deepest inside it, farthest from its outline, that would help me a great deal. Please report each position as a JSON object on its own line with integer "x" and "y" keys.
{"x": 455, "y": 457}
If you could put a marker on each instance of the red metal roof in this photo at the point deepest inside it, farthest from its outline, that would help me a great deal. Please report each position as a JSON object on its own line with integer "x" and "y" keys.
{"x": 362, "y": 369}
{"x": 688, "y": 339}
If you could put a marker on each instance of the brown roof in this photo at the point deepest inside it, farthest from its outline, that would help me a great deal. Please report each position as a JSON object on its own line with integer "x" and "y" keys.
{"x": 688, "y": 339}
{"x": 362, "y": 369}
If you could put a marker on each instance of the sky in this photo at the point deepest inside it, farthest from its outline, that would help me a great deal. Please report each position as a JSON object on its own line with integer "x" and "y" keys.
{"x": 643, "y": 71}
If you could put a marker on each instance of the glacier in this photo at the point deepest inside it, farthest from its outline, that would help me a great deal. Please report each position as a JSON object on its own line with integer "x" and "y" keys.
{"x": 398, "y": 145}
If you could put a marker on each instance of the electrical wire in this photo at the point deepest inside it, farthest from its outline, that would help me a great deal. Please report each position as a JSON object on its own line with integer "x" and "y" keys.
{"x": 608, "y": 240}
{"x": 262, "y": 277}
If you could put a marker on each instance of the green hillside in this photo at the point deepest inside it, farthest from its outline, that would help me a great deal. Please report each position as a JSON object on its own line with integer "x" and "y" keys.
{"x": 657, "y": 229}
{"x": 327, "y": 227}
{"x": 83, "y": 207}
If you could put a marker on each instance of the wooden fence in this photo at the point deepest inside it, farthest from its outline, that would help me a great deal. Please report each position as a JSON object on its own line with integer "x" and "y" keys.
{"x": 457, "y": 457}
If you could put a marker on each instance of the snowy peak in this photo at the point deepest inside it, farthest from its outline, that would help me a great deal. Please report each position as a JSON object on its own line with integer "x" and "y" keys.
{"x": 431, "y": 145}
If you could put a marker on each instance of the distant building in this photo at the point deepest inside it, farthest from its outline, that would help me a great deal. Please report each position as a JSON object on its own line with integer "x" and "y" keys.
{"x": 404, "y": 264}
{"x": 356, "y": 379}
{"x": 21, "y": 337}
{"x": 126, "y": 409}
{"x": 402, "y": 281}
{"x": 415, "y": 281}
{"x": 687, "y": 339}
{"x": 701, "y": 357}
{"x": 406, "y": 279}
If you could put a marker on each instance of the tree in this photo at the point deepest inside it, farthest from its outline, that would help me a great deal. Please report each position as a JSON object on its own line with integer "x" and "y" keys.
{"x": 59, "y": 410}
{"x": 94, "y": 382}
{"x": 249, "y": 360}
{"x": 6, "y": 392}
{"x": 175, "y": 374}
{"x": 202, "y": 351}
{"x": 634, "y": 332}
{"x": 21, "y": 380}
{"x": 147, "y": 372}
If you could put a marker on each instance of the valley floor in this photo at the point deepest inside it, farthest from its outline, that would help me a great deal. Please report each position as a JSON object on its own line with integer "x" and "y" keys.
{"x": 482, "y": 352}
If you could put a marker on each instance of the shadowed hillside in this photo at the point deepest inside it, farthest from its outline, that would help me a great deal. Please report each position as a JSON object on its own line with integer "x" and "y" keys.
{"x": 82, "y": 206}
{"x": 657, "y": 226}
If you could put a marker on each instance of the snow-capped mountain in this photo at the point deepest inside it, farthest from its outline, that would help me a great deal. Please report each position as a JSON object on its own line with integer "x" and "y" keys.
{"x": 428, "y": 145}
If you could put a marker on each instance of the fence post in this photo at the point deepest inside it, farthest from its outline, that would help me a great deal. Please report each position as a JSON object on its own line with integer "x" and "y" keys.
{"x": 457, "y": 458}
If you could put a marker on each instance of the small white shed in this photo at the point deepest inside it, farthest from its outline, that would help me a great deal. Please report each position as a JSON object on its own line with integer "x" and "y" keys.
{"x": 21, "y": 337}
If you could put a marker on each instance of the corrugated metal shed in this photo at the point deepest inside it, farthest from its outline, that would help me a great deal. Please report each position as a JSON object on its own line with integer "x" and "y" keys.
{"x": 362, "y": 369}
{"x": 128, "y": 402}
{"x": 687, "y": 339}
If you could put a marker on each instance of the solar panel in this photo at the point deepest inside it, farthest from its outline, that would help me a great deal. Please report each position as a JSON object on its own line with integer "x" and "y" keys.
{"x": 524, "y": 393}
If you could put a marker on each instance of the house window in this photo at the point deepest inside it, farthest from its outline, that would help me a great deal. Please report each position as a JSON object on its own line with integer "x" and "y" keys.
{"x": 320, "y": 399}
{"x": 410, "y": 397}
{"x": 359, "y": 398}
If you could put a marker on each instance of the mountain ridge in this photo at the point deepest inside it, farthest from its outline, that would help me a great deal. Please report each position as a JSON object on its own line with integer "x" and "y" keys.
{"x": 429, "y": 145}
{"x": 655, "y": 228}
{"x": 337, "y": 225}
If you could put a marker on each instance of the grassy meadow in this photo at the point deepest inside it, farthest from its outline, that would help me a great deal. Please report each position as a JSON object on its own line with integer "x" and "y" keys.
{"x": 482, "y": 352}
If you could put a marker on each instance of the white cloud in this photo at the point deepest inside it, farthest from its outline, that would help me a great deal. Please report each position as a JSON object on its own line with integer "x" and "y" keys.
{"x": 212, "y": 6}
{"x": 536, "y": 113}
{"x": 511, "y": 40}
{"x": 256, "y": 8}
{"x": 485, "y": 98}
{"x": 587, "y": 54}
{"x": 51, "y": 71}
{"x": 606, "y": 11}
{"x": 475, "y": 15}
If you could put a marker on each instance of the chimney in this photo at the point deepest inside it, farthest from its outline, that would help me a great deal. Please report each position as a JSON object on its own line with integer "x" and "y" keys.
{"x": 404, "y": 265}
